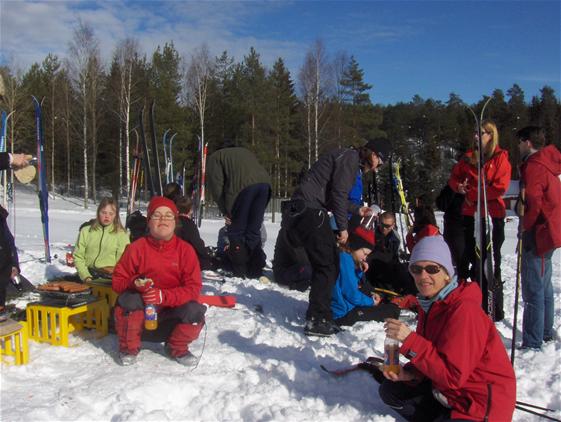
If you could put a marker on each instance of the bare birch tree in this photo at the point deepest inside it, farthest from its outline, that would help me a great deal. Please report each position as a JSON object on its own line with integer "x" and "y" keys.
{"x": 126, "y": 54}
{"x": 197, "y": 79}
{"x": 316, "y": 82}
{"x": 81, "y": 49}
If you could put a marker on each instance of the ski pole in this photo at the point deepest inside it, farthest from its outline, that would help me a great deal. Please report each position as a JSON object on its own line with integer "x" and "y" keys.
{"x": 547, "y": 409}
{"x": 541, "y": 415}
{"x": 518, "y": 274}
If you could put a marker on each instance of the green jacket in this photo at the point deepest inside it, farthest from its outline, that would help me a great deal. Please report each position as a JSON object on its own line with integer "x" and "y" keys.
{"x": 98, "y": 248}
{"x": 231, "y": 170}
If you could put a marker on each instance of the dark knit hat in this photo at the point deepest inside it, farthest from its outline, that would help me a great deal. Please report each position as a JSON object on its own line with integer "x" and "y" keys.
{"x": 161, "y": 201}
{"x": 381, "y": 147}
{"x": 435, "y": 249}
{"x": 361, "y": 238}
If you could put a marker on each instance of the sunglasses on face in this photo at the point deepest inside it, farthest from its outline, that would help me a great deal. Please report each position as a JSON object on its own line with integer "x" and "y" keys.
{"x": 430, "y": 269}
{"x": 387, "y": 226}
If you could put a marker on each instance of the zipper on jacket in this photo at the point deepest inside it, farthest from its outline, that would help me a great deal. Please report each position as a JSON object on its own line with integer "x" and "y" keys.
{"x": 100, "y": 242}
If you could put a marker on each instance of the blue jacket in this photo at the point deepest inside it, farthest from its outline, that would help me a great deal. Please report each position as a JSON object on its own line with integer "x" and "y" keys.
{"x": 346, "y": 295}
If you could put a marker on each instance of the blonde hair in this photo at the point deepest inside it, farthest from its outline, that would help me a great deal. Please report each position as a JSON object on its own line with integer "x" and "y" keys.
{"x": 489, "y": 149}
{"x": 117, "y": 225}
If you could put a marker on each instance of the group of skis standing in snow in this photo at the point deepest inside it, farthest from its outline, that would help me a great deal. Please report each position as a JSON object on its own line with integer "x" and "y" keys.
{"x": 458, "y": 367}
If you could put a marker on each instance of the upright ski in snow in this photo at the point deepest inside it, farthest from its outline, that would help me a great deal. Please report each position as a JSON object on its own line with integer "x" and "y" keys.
{"x": 41, "y": 167}
{"x": 483, "y": 239}
{"x": 158, "y": 176}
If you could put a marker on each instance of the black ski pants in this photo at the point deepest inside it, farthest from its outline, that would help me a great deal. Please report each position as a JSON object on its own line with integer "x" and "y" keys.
{"x": 247, "y": 215}
{"x": 311, "y": 229}
{"x": 414, "y": 403}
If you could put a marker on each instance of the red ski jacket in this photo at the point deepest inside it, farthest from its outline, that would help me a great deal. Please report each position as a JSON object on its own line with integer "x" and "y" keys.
{"x": 497, "y": 177}
{"x": 172, "y": 265}
{"x": 542, "y": 213}
{"x": 413, "y": 238}
{"x": 459, "y": 349}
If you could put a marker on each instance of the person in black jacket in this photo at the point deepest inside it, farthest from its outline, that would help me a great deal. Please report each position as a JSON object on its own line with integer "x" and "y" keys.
{"x": 451, "y": 203}
{"x": 187, "y": 230}
{"x": 9, "y": 263}
{"x": 325, "y": 188}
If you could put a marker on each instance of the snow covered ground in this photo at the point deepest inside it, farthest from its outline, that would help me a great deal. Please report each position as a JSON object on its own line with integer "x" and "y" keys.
{"x": 256, "y": 364}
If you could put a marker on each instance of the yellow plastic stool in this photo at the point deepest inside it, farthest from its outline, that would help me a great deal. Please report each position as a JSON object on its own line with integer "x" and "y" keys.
{"x": 52, "y": 324}
{"x": 104, "y": 291}
{"x": 13, "y": 342}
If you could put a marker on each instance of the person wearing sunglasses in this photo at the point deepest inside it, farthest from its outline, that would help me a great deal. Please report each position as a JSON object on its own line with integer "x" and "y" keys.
{"x": 174, "y": 283}
{"x": 458, "y": 367}
{"x": 464, "y": 180}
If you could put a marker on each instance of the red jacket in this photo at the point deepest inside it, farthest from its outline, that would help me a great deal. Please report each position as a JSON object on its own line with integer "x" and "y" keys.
{"x": 542, "y": 213}
{"x": 413, "y": 238}
{"x": 172, "y": 265}
{"x": 497, "y": 176}
{"x": 458, "y": 347}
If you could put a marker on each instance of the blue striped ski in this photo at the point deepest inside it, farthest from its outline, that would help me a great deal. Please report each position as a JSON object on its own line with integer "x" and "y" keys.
{"x": 42, "y": 170}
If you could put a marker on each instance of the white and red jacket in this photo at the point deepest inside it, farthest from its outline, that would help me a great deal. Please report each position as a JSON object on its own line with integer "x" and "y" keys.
{"x": 459, "y": 349}
{"x": 172, "y": 265}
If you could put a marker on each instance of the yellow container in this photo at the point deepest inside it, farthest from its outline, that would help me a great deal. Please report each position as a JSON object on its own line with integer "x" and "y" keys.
{"x": 14, "y": 349}
{"x": 105, "y": 292}
{"x": 52, "y": 324}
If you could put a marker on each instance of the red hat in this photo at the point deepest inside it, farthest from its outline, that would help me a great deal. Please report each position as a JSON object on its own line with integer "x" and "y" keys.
{"x": 361, "y": 238}
{"x": 161, "y": 201}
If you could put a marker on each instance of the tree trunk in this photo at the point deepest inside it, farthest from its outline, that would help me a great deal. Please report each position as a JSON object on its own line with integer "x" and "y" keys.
{"x": 85, "y": 142}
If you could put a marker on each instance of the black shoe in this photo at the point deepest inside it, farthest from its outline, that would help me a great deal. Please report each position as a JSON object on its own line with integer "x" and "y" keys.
{"x": 321, "y": 328}
{"x": 547, "y": 339}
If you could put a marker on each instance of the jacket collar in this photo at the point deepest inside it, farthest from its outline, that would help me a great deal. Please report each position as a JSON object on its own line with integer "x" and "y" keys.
{"x": 162, "y": 245}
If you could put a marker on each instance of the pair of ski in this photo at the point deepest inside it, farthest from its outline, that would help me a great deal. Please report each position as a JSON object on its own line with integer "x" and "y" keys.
{"x": 482, "y": 228}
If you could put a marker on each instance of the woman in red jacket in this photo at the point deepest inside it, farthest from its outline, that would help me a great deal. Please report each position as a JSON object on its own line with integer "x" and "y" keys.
{"x": 172, "y": 267}
{"x": 463, "y": 180}
{"x": 459, "y": 368}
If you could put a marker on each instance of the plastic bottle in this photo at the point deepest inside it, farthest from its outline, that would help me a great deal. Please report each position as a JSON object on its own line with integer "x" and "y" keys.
{"x": 150, "y": 317}
{"x": 150, "y": 311}
{"x": 391, "y": 355}
{"x": 16, "y": 281}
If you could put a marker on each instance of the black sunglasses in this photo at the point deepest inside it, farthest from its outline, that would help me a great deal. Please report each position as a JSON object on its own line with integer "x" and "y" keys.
{"x": 430, "y": 269}
{"x": 387, "y": 226}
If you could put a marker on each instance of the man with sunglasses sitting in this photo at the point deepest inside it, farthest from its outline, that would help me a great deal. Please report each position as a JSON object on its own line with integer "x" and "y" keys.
{"x": 385, "y": 270}
{"x": 458, "y": 367}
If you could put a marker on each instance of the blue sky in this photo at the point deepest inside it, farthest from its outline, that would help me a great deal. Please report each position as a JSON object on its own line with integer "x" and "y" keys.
{"x": 429, "y": 48}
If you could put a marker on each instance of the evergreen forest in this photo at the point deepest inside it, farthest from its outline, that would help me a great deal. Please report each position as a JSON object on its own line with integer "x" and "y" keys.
{"x": 91, "y": 114}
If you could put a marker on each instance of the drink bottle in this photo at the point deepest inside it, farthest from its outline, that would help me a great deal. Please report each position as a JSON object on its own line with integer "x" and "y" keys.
{"x": 391, "y": 355}
{"x": 150, "y": 311}
{"x": 150, "y": 317}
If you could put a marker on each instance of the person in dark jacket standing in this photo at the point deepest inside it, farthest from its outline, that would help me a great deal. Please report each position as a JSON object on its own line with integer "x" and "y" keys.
{"x": 541, "y": 226}
{"x": 9, "y": 263}
{"x": 241, "y": 187}
{"x": 325, "y": 188}
{"x": 458, "y": 368}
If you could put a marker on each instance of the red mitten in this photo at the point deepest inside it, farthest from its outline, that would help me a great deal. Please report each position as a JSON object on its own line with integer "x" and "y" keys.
{"x": 405, "y": 302}
{"x": 153, "y": 296}
{"x": 142, "y": 285}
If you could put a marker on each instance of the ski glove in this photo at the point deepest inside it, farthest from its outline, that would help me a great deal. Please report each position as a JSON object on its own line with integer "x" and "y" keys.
{"x": 153, "y": 296}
